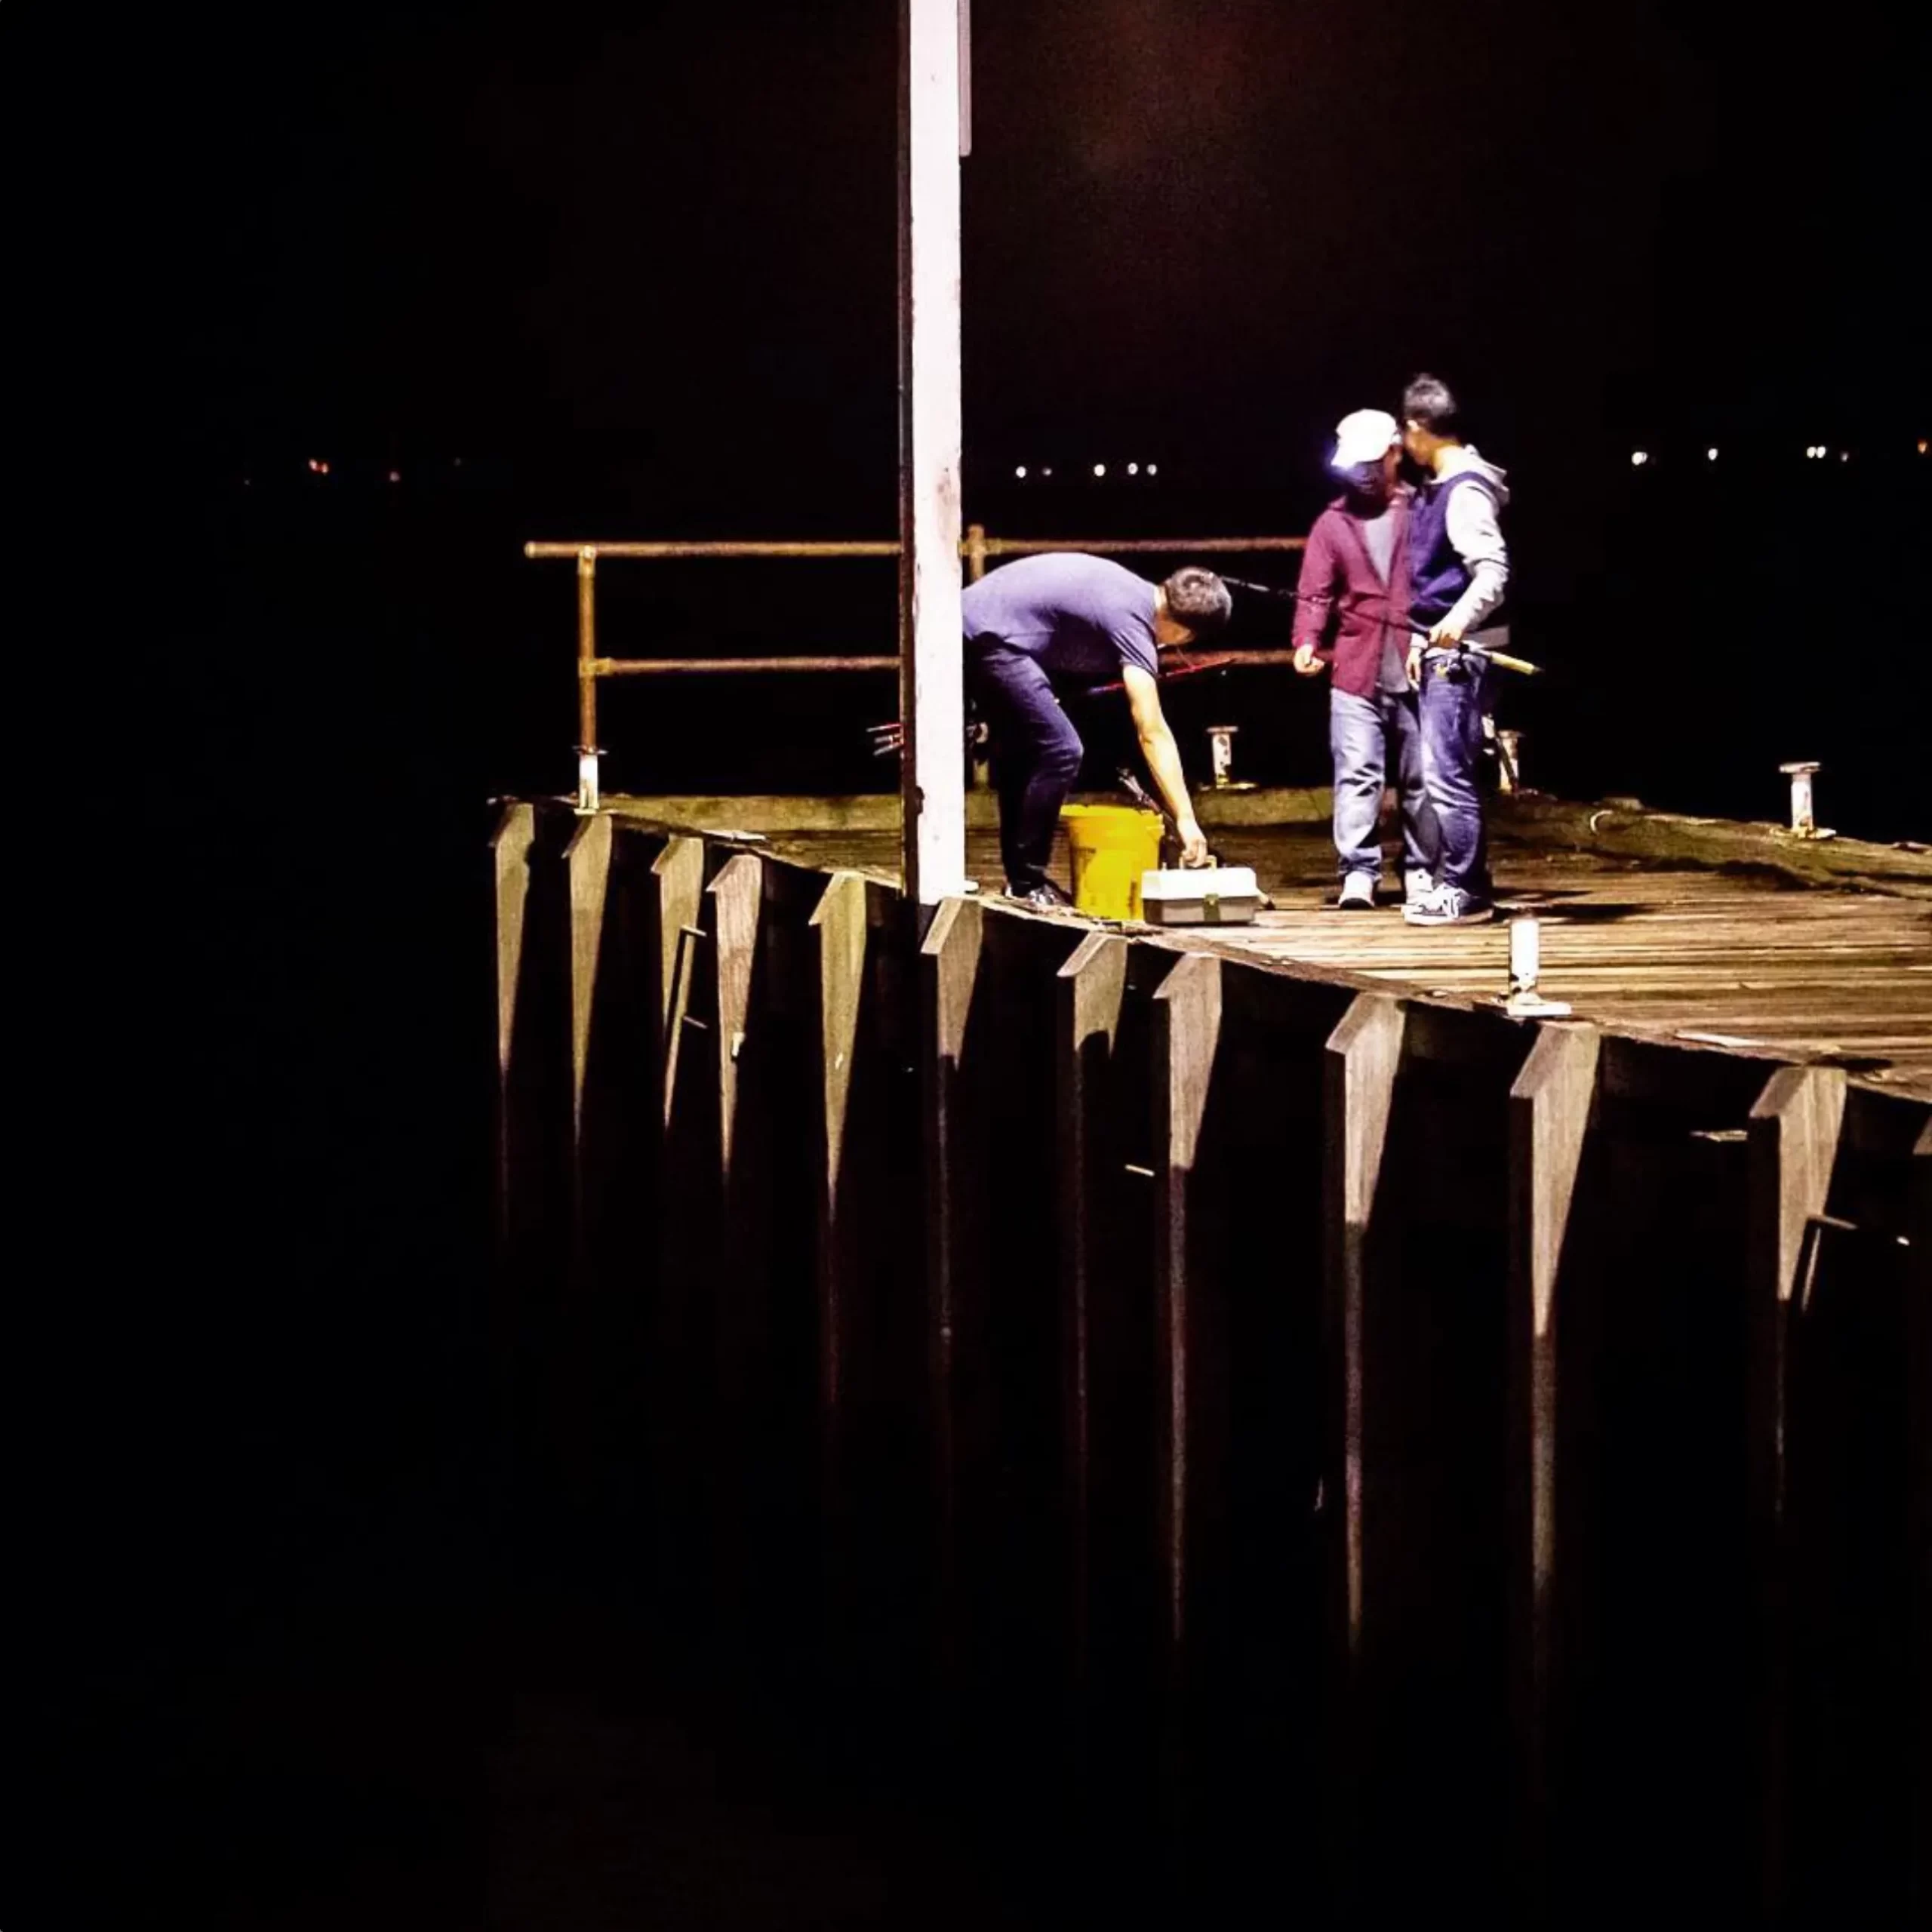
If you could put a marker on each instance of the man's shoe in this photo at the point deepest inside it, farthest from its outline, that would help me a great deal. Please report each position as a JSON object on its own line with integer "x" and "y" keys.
{"x": 1416, "y": 886}
{"x": 1357, "y": 893}
{"x": 1044, "y": 897}
{"x": 1448, "y": 905}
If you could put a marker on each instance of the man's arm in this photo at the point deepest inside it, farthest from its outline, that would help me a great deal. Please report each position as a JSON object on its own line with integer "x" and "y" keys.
{"x": 1314, "y": 600}
{"x": 1476, "y": 533}
{"x": 1163, "y": 756}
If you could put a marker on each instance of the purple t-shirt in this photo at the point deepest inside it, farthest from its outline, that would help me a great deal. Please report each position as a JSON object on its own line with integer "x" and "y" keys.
{"x": 1082, "y": 617}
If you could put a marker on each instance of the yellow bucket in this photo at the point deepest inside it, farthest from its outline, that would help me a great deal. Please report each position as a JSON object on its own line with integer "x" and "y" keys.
{"x": 1112, "y": 846}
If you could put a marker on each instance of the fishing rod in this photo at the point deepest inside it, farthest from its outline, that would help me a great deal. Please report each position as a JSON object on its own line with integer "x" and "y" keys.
{"x": 889, "y": 739}
{"x": 1503, "y": 660}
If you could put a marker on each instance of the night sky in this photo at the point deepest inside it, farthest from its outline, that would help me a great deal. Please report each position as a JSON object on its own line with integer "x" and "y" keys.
{"x": 666, "y": 235}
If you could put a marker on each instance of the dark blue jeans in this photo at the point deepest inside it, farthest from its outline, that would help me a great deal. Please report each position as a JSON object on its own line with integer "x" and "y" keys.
{"x": 1377, "y": 741}
{"x": 1452, "y": 709}
{"x": 1036, "y": 756}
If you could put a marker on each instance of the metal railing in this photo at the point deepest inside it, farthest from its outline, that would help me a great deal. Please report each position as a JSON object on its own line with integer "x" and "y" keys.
{"x": 976, "y": 549}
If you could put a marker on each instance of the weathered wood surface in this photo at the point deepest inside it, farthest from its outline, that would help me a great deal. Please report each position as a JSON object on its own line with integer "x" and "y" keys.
{"x": 1739, "y": 959}
{"x": 1629, "y": 828}
{"x": 1612, "y": 827}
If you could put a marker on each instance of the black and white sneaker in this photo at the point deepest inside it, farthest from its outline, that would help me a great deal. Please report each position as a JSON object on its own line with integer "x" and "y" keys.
{"x": 1357, "y": 893}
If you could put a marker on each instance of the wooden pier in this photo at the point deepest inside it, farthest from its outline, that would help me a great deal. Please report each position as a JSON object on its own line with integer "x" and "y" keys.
{"x": 1243, "y": 1398}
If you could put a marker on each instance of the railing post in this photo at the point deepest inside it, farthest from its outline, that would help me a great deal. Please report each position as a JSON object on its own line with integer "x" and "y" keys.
{"x": 588, "y": 798}
{"x": 976, "y": 552}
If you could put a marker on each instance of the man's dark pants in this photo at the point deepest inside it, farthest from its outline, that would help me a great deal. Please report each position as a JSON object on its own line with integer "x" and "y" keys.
{"x": 1036, "y": 756}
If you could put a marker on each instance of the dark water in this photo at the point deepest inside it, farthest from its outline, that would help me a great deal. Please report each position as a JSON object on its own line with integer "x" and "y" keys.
{"x": 311, "y": 1684}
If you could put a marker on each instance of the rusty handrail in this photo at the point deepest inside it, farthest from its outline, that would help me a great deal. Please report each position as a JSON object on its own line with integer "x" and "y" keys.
{"x": 1128, "y": 546}
{"x": 976, "y": 547}
{"x": 685, "y": 667}
{"x": 986, "y": 546}
{"x": 690, "y": 667}
{"x": 696, "y": 548}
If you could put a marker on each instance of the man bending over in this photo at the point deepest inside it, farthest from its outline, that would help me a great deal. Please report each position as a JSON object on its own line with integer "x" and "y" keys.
{"x": 1044, "y": 627}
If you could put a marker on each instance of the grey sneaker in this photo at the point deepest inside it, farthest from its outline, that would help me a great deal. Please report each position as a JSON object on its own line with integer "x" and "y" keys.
{"x": 1044, "y": 897}
{"x": 1448, "y": 905}
{"x": 1416, "y": 885}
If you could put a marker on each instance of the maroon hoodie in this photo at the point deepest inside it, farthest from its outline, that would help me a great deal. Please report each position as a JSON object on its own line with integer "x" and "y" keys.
{"x": 1342, "y": 604}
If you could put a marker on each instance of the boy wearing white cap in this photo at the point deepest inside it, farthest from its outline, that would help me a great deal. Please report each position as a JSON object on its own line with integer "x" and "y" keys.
{"x": 1351, "y": 611}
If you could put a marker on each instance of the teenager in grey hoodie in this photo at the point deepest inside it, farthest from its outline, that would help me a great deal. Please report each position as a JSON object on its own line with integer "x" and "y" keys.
{"x": 1458, "y": 569}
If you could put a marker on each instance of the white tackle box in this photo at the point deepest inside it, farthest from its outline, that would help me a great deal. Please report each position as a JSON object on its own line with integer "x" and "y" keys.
{"x": 1212, "y": 896}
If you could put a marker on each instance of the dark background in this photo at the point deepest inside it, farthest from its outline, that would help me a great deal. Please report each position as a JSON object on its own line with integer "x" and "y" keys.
{"x": 570, "y": 274}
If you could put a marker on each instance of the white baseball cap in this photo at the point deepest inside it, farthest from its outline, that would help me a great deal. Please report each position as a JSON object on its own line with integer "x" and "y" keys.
{"x": 1364, "y": 437}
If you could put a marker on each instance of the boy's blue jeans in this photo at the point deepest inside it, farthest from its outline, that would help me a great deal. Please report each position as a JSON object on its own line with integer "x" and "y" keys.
{"x": 1377, "y": 741}
{"x": 1453, "y": 698}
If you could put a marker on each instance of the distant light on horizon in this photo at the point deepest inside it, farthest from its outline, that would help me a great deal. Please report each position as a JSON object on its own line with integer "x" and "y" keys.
{"x": 1638, "y": 458}
{"x": 396, "y": 476}
{"x": 1019, "y": 470}
{"x": 1711, "y": 456}
{"x": 1845, "y": 456}
{"x": 1099, "y": 469}
{"x": 1921, "y": 446}
{"x": 1153, "y": 468}
{"x": 1133, "y": 469}
{"x": 318, "y": 466}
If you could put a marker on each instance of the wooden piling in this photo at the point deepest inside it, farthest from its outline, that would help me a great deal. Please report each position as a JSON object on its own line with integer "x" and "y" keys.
{"x": 1918, "y": 1511}
{"x": 677, "y": 889}
{"x": 510, "y": 847}
{"x": 1550, "y": 1105}
{"x": 1794, "y": 1131}
{"x": 587, "y": 864}
{"x": 954, "y": 1153}
{"x": 1359, "y": 1085}
{"x": 873, "y": 1505}
{"x": 1187, "y": 1029}
{"x": 1092, "y": 990}
{"x": 841, "y": 924}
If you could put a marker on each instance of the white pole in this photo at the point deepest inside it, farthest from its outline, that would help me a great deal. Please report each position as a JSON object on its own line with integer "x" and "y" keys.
{"x": 931, "y": 665}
